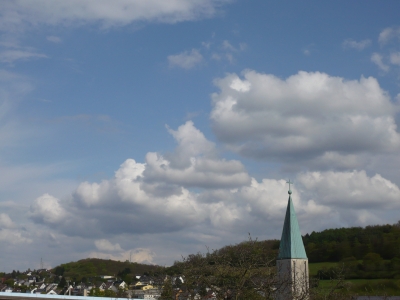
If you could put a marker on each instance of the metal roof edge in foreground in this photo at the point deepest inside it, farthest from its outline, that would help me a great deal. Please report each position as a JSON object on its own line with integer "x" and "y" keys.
{"x": 9, "y": 296}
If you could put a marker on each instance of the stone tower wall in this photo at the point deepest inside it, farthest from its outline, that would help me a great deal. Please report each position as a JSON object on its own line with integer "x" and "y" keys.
{"x": 293, "y": 279}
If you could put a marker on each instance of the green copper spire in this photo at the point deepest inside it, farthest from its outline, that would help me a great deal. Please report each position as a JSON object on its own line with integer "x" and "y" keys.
{"x": 291, "y": 245}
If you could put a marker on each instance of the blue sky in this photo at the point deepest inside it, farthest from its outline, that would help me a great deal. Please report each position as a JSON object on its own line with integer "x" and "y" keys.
{"x": 153, "y": 128}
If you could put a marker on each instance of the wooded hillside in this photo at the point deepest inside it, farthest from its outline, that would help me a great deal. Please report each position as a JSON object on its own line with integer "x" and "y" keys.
{"x": 370, "y": 252}
{"x": 94, "y": 267}
{"x": 337, "y": 244}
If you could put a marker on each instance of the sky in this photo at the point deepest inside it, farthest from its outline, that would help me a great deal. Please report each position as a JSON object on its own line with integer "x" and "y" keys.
{"x": 147, "y": 130}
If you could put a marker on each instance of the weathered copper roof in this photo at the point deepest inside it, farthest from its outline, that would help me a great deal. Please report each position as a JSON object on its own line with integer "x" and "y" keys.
{"x": 291, "y": 245}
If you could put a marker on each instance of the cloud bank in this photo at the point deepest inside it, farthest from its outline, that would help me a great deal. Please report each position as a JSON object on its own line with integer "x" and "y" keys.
{"x": 308, "y": 115}
{"x": 17, "y": 15}
{"x": 192, "y": 195}
{"x": 195, "y": 196}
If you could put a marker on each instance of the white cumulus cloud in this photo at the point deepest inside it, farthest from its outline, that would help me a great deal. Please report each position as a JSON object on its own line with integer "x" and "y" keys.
{"x": 186, "y": 60}
{"x": 208, "y": 199}
{"x": 12, "y": 237}
{"x": 395, "y": 58}
{"x": 361, "y": 45}
{"x": 105, "y": 245}
{"x": 306, "y": 116}
{"x": 194, "y": 163}
{"x": 139, "y": 255}
{"x": 5, "y": 221}
{"x": 351, "y": 189}
{"x": 10, "y": 233}
{"x": 377, "y": 59}
{"x": 17, "y": 14}
{"x": 47, "y": 209}
{"x": 388, "y": 34}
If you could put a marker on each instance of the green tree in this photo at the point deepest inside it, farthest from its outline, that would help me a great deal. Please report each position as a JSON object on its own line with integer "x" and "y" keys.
{"x": 9, "y": 282}
{"x": 110, "y": 293}
{"x": 167, "y": 292}
{"x": 59, "y": 271}
{"x": 127, "y": 279}
{"x": 62, "y": 283}
{"x": 372, "y": 261}
{"x": 95, "y": 292}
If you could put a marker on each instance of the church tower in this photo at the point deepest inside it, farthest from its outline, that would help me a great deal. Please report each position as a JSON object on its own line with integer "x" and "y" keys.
{"x": 292, "y": 262}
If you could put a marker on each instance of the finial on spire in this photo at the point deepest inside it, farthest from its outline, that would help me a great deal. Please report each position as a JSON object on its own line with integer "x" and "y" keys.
{"x": 290, "y": 191}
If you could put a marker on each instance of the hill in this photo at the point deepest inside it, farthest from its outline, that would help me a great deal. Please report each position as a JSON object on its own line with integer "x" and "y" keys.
{"x": 369, "y": 252}
{"x": 338, "y": 244}
{"x": 335, "y": 245}
{"x": 95, "y": 267}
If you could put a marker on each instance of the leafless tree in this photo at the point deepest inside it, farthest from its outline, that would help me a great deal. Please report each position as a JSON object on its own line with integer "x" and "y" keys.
{"x": 247, "y": 271}
{"x": 244, "y": 271}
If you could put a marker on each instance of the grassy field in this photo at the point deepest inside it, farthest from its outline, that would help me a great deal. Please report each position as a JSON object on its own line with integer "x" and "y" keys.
{"x": 388, "y": 287}
{"x": 377, "y": 287}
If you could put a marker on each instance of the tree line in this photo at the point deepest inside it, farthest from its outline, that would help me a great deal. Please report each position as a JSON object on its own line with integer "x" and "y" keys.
{"x": 247, "y": 270}
{"x": 335, "y": 245}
